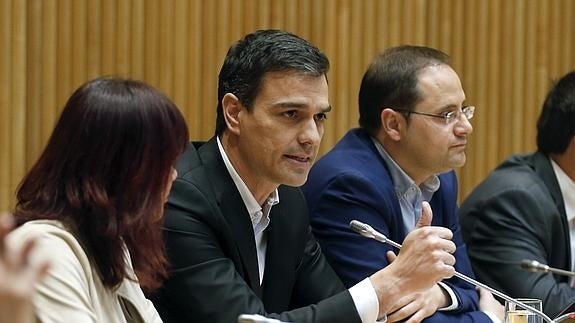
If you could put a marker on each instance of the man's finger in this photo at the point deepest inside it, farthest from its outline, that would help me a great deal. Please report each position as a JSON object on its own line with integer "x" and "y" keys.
{"x": 426, "y": 215}
{"x": 391, "y": 256}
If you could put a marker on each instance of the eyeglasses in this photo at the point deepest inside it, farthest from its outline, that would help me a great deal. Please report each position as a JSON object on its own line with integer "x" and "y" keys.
{"x": 449, "y": 117}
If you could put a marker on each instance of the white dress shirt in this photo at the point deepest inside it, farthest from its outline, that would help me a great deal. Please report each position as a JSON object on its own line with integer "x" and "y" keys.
{"x": 567, "y": 187}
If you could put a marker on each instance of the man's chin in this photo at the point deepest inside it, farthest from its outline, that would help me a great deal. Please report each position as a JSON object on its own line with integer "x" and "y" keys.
{"x": 457, "y": 163}
{"x": 296, "y": 181}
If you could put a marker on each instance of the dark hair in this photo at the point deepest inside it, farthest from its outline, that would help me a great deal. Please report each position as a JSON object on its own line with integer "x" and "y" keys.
{"x": 556, "y": 124}
{"x": 104, "y": 173}
{"x": 391, "y": 81}
{"x": 258, "y": 53}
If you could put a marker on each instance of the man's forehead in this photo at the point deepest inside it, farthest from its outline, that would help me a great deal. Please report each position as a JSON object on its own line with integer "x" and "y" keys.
{"x": 290, "y": 73}
{"x": 434, "y": 73}
{"x": 289, "y": 80}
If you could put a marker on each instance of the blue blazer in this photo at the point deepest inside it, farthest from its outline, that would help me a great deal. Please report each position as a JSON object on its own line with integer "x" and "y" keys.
{"x": 352, "y": 182}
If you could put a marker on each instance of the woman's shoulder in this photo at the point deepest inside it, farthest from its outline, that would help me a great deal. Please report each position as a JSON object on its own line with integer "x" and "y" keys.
{"x": 53, "y": 240}
{"x": 44, "y": 231}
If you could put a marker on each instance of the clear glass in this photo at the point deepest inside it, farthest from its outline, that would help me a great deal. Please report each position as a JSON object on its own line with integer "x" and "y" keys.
{"x": 516, "y": 314}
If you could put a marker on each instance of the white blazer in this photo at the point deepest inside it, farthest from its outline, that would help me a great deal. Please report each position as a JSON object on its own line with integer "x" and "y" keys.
{"x": 73, "y": 290}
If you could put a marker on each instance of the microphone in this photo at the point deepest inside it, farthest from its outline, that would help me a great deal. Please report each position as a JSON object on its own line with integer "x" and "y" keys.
{"x": 536, "y": 266}
{"x": 367, "y": 231}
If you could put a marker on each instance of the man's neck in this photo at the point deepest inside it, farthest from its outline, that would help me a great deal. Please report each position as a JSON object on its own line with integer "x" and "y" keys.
{"x": 259, "y": 190}
{"x": 566, "y": 161}
{"x": 394, "y": 151}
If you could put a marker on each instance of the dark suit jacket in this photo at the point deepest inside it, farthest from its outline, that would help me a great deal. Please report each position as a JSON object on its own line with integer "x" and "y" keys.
{"x": 210, "y": 243}
{"x": 518, "y": 213}
{"x": 352, "y": 182}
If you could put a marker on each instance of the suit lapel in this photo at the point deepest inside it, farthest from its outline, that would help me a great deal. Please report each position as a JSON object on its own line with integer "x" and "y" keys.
{"x": 543, "y": 168}
{"x": 362, "y": 138}
{"x": 279, "y": 269}
{"x": 233, "y": 210}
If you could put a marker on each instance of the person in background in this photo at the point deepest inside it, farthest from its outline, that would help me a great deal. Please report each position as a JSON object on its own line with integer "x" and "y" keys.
{"x": 236, "y": 226}
{"x": 413, "y": 131}
{"x": 94, "y": 202}
{"x": 525, "y": 210}
{"x": 18, "y": 277}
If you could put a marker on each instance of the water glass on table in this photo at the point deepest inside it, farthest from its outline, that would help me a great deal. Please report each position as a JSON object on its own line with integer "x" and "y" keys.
{"x": 517, "y": 314}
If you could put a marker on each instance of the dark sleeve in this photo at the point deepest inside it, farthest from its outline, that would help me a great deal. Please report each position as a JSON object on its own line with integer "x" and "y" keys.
{"x": 450, "y": 317}
{"x": 446, "y": 216}
{"x": 351, "y": 196}
{"x": 205, "y": 285}
{"x": 508, "y": 226}
{"x": 315, "y": 280}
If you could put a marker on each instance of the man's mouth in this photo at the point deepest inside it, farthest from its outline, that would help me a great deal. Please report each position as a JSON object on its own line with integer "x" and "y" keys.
{"x": 301, "y": 159}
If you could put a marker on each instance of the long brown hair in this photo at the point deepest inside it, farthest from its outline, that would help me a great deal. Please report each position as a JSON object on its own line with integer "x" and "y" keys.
{"x": 104, "y": 173}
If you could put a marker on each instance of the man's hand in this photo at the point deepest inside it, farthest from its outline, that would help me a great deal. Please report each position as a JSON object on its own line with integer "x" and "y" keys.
{"x": 418, "y": 306}
{"x": 425, "y": 259}
{"x": 17, "y": 278}
{"x": 487, "y": 303}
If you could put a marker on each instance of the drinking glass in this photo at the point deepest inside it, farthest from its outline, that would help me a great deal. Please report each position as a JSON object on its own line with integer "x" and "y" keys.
{"x": 517, "y": 314}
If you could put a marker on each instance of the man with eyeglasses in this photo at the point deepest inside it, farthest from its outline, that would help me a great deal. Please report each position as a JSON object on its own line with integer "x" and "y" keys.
{"x": 394, "y": 171}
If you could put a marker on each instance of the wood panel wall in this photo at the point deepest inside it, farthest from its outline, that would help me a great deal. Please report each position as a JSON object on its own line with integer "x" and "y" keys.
{"x": 507, "y": 52}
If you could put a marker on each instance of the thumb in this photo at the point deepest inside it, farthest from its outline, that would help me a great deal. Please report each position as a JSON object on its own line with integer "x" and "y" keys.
{"x": 391, "y": 256}
{"x": 426, "y": 215}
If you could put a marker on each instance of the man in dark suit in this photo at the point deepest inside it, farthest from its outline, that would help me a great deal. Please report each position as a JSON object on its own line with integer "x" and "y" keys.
{"x": 525, "y": 209}
{"x": 414, "y": 128}
{"x": 237, "y": 229}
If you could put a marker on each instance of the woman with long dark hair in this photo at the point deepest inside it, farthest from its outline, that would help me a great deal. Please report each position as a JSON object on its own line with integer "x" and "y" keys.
{"x": 94, "y": 202}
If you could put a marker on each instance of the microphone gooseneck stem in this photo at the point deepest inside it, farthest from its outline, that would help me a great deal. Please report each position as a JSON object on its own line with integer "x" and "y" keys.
{"x": 561, "y": 272}
{"x": 369, "y": 232}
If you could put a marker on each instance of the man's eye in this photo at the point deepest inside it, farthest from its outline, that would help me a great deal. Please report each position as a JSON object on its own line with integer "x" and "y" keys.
{"x": 320, "y": 116}
{"x": 290, "y": 114}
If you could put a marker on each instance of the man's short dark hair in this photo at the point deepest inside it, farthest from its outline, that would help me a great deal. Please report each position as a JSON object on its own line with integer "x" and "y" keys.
{"x": 391, "y": 82}
{"x": 556, "y": 124}
{"x": 258, "y": 53}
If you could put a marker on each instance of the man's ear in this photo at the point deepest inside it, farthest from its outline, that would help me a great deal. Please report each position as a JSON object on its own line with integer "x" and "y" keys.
{"x": 232, "y": 107}
{"x": 571, "y": 146}
{"x": 393, "y": 123}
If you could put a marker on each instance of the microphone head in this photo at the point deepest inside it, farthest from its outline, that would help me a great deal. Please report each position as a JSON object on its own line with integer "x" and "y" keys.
{"x": 359, "y": 227}
{"x": 533, "y": 266}
{"x": 529, "y": 265}
{"x": 367, "y": 231}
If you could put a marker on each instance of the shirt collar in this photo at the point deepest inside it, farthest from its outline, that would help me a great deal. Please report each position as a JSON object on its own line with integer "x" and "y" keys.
{"x": 403, "y": 184}
{"x": 247, "y": 197}
{"x": 567, "y": 187}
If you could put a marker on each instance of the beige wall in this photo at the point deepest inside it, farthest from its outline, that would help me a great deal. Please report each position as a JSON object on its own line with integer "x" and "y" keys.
{"x": 506, "y": 51}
